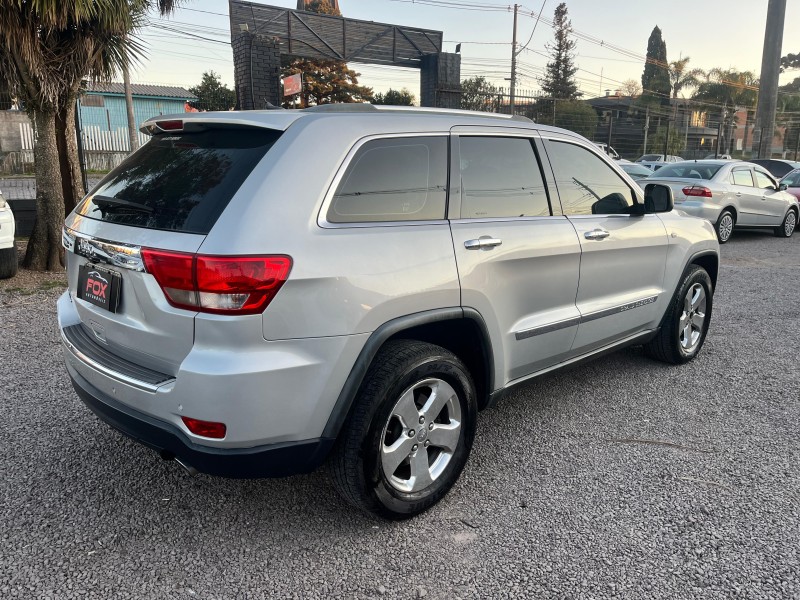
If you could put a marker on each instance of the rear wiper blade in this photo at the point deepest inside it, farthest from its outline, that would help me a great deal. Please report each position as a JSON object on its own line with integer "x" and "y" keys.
{"x": 110, "y": 201}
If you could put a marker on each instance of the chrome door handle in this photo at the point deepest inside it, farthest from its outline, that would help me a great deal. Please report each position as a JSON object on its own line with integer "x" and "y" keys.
{"x": 738, "y": 194}
{"x": 596, "y": 234}
{"x": 481, "y": 243}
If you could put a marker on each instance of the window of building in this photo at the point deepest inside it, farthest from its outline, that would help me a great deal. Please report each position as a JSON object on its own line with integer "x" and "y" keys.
{"x": 587, "y": 184}
{"x": 393, "y": 179}
{"x": 93, "y": 100}
{"x": 500, "y": 177}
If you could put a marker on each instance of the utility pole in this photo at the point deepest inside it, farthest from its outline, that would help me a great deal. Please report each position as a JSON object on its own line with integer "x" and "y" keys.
{"x": 646, "y": 128}
{"x": 770, "y": 71}
{"x": 666, "y": 139}
{"x": 512, "y": 99}
{"x": 797, "y": 141}
{"x": 126, "y": 82}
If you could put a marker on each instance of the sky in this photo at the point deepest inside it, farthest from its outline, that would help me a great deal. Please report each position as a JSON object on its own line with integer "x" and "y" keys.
{"x": 714, "y": 33}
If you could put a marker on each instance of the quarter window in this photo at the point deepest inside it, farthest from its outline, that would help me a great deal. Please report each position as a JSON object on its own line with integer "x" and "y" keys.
{"x": 500, "y": 177}
{"x": 393, "y": 179}
{"x": 586, "y": 184}
{"x": 743, "y": 177}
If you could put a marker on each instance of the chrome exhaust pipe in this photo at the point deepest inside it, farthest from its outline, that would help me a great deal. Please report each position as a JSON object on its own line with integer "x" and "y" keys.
{"x": 166, "y": 455}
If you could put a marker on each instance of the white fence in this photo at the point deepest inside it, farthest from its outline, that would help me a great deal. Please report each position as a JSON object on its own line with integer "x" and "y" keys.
{"x": 94, "y": 139}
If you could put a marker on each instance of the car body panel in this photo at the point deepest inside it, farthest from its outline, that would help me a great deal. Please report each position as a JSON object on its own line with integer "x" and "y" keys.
{"x": 7, "y": 225}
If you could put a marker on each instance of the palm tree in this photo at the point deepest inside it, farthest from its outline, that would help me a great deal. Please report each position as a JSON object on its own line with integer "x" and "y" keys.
{"x": 728, "y": 90}
{"x": 46, "y": 49}
{"x": 680, "y": 77}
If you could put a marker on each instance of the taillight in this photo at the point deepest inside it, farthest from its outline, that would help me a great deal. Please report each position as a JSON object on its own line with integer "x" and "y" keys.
{"x": 209, "y": 429}
{"x": 223, "y": 285}
{"x": 173, "y": 125}
{"x": 697, "y": 190}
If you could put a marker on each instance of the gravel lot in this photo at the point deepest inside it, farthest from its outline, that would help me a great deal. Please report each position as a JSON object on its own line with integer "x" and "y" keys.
{"x": 624, "y": 478}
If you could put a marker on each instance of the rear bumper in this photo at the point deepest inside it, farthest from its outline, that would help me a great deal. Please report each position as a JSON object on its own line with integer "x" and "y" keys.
{"x": 273, "y": 460}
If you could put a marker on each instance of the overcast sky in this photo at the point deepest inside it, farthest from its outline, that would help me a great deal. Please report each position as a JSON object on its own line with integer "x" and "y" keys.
{"x": 714, "y": 33}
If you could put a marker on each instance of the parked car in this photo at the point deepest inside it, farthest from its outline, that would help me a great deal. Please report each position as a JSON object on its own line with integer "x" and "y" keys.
{"x": 650, "y": 158}
{"x": 776, "y": 166}
{"x": 635, "y": 170}
{"x": 731, "y": 194}
{"x": 608, "y": 150}
{"x": 8, "y": 252}
{"x": 718, "y": 157}
{"x": 249, "y": 316}
{"x": 791, "y": 183}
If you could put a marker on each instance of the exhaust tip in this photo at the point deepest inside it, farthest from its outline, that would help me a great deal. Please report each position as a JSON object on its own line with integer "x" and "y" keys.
{"x": 167, "y": 455}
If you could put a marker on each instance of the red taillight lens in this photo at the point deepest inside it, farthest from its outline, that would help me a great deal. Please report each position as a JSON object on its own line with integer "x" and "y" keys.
{"x": 226, "y": 285}
{"x": 209, "y": 429}
{"x": 697, "y": 190}
{"x": 176, "y": 125}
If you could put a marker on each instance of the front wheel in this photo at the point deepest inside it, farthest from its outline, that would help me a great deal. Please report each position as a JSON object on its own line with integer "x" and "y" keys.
{"x": 684, "y": 328}
{"x": 410, "y": 432}
{"x": 786, "y": 229}
{"x": 8, "y": 262}
{"x": 724, "y": 226}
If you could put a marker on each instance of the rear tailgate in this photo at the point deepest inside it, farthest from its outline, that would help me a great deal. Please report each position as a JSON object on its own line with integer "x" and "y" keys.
{"x": 166, "y": 196}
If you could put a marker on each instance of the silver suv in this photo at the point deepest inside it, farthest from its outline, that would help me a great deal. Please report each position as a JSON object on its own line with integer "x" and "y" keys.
{"x": 253, "y": 294}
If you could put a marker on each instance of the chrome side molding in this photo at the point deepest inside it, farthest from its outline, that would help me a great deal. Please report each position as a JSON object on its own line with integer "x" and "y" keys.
{"x": 124, "y": 256}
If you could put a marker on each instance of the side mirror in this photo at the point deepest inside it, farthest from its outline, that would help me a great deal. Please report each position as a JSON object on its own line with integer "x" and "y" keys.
{"x": 783, "y": 187}
{"x": 658, "y": 198}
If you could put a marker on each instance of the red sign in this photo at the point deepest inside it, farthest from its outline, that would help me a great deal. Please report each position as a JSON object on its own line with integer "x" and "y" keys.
{"x": 293, "y": 84}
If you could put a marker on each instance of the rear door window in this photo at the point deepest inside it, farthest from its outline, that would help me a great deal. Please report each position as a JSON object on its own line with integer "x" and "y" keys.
{"x": 501, "y": 177}
{"x": 393, "y": 179}
{"x": 179, "y": 182}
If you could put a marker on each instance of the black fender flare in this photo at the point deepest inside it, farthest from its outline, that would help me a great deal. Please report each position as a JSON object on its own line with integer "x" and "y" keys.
{"x": 341, "y": 409}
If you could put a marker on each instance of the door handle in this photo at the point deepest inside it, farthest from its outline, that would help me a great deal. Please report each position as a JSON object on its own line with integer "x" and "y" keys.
{"x": 738, "y": 194}
{"x": 596, "y": 234}
{"x": 482, "y": 243}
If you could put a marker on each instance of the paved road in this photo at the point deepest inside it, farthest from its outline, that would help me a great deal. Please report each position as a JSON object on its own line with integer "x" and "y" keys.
{"x": 625, "y": 478}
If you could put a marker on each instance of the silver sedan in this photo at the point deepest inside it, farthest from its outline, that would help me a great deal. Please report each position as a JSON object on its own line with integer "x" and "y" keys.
{"x": 730, "y": 194}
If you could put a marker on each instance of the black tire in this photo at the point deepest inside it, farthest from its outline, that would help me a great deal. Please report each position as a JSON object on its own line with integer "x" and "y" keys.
{"x": 787, "y": 227}
{"x": 721, "y": 226}
{"x": 356, "y": 463}
{"x": 667, "y": 346}
{"x": 8, "y": 262}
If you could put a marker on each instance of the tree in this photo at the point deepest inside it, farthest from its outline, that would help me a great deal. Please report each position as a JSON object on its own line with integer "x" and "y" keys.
{"x": 559, "y": 78}
{"x": 212, "y": 94}
{"x": 726, "y": 90}
{"x": 675, "y": 145}
{"x": 478, "y": 94}
{"x": 630, "y": 87}
{"x": 47, "y": 48}
{"x": 681, "y": 77}
{"x": 325, "y": 81}
{"x": 655, "y": 79}
{"x": 576, "y": 116}
{"x": 790, "y": 61}
{"x": 396, "y": 98}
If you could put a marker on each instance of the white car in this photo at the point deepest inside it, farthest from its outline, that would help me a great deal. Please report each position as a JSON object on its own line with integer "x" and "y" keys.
{"x": 8, "y": 252}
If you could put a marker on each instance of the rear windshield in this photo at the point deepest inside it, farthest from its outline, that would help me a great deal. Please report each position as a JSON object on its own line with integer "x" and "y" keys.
{"x": 179, "y": 182}
{"x": 650, "y": 157}
{"x": 689, "y": 170}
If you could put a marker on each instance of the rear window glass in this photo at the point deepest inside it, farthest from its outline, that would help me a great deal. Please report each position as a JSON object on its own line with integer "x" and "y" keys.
{"x": 393, "y": 179}
{"x": 179, "y": 182}
{"x": 689, "y": 170}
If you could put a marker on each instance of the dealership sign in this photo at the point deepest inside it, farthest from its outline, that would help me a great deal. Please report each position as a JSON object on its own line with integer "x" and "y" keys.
{"x": 292, "y": 85}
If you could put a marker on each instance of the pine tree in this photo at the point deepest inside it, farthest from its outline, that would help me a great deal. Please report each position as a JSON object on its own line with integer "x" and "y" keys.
{"x": 655, "y": 79}
{"x": 325, "y": 81}
{"x": 559, "y": 79}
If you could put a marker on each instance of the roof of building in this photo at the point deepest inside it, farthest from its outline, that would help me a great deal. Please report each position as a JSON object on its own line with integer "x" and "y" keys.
{"x": 139, "y": 89}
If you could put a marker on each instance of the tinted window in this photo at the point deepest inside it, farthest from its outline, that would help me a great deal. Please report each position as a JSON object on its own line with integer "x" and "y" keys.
{"x": 763, "y": 181}
{"x": 179, "y": 182}
{"x": 690, "y": 170}
{"x": 792, "y": 179}
{"x": 742, "y": 177}
{"x": 586, "y": 184}
{"x": 500, "y": 177}
{"x": 400, "y": 179}
{"x": 636, "y": 171}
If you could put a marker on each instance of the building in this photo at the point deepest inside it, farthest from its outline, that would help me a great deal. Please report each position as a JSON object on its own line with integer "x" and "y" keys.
{"x": 102, "y": 106}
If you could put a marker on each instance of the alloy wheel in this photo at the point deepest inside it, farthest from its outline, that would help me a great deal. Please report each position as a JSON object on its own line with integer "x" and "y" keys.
{"x": 693, "y": 317}
{"x": 421, "y": 435}
{"x": 725, "y": 227}
{"x": 790, "y": 223}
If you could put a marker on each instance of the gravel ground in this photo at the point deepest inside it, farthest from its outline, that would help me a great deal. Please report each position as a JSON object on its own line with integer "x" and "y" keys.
{"x": 624, "y": 478}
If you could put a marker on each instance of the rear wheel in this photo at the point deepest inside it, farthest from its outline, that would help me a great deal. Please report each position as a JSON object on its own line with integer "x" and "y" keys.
{"x": 684, "y": 328}
{"x": 410, "y": 433}
{"x": 8, "y": 262}
{"x": 724, "y": 226}
{"x": 786, "y": 229}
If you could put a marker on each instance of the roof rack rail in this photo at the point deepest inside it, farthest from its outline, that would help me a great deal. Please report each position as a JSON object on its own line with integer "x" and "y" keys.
{"x": 371, "y": 108}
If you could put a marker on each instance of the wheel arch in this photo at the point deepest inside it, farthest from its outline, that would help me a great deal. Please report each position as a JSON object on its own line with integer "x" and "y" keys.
{"x": 460, "y": 330}
{"x": 709, "y": 260}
